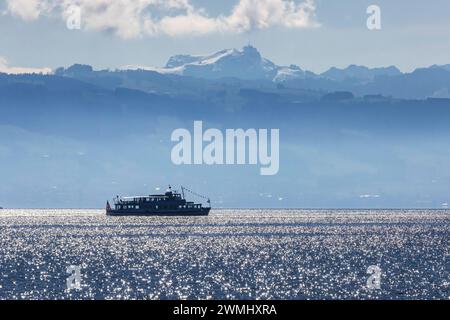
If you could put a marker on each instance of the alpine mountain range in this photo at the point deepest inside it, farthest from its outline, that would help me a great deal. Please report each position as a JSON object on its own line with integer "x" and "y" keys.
{"x": 248, "y": 65}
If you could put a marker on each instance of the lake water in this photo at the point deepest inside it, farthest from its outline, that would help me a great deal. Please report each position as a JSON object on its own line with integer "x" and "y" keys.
{"x": 232, "y": 254}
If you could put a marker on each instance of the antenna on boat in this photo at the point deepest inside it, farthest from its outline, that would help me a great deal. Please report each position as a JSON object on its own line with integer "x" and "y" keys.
{"x": 182, "y": 191}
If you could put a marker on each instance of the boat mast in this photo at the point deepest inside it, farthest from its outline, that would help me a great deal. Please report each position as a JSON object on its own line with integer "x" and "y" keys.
{"x": 196, "y": 194}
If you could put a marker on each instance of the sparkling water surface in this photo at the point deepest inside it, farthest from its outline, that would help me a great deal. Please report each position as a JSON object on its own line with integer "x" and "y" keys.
{"x": 232, "y": 254}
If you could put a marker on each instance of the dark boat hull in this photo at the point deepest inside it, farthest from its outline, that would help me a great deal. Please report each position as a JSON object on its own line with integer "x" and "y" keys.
{"x": 182, "y": 213}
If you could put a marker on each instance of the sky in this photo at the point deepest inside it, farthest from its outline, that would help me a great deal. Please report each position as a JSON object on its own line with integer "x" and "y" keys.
{"x": 313, "y": 34}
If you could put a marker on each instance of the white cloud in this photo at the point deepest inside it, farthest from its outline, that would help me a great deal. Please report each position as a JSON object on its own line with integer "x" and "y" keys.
{"x": 25, "y": 9}
{"x": 135, "y": 18}
{"x": 5, "y": 68}
{"x": 260, "y": 14}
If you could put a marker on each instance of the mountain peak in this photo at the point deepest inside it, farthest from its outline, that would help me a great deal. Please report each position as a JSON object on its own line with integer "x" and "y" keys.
{"x": 251, "y": 51}
{"x": 76, "y": 69}
{"x": 245, "y": 64}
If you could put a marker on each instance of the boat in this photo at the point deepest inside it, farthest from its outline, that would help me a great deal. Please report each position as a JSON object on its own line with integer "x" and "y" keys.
{"x": 171, "y": 203}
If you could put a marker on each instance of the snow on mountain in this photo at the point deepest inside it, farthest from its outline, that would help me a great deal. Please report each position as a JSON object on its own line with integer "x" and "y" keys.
{"x": 248, "y": 64}
{"x": 183, "y": 60}
{"x": 176, "y": 70}
{"x": 291, "y": 73}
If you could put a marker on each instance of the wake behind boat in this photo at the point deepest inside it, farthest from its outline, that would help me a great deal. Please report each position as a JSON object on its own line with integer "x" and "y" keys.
{"x": 171, "y": 203}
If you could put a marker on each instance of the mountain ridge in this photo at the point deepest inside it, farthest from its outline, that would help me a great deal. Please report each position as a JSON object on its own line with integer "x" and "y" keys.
{"x": 238, "y": 63}
{"x": 189, "y": 75}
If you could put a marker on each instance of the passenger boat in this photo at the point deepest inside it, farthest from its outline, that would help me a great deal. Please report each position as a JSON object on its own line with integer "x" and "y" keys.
{"x": 171, "y": 203}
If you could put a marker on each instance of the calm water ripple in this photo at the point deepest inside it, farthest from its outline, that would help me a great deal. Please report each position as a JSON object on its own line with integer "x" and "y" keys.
{"x": 232, "y": 254}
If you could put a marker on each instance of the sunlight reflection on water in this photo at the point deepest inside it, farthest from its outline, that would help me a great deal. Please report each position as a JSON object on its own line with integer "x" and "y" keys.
{"x": 232, "y": 254}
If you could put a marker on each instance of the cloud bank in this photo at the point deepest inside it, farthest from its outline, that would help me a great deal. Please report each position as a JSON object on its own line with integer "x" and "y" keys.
{"x": 136, "y": 18}
{"x": 5, "y": 68}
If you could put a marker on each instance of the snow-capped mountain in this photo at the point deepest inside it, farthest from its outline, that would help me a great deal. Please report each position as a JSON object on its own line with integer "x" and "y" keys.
{"x": 248, "y": 64}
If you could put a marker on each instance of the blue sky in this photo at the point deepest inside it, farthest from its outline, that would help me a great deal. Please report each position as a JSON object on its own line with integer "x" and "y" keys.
{"x": 413, "y": 34}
